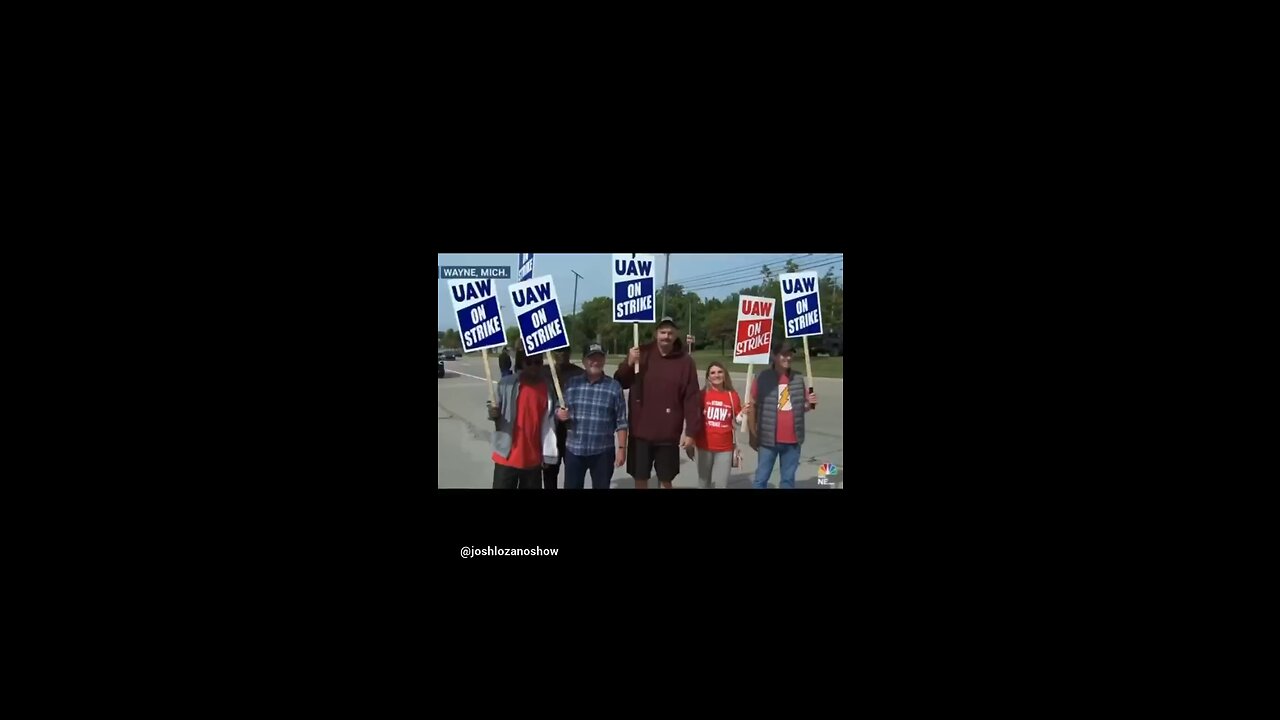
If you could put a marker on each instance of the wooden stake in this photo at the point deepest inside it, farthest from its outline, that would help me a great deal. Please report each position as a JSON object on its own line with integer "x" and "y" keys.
{"x": 808, "y": 371}
{"x": 635, "y": 341}
{"x": 555, "y": 376}
{"x": 488, "y": 374}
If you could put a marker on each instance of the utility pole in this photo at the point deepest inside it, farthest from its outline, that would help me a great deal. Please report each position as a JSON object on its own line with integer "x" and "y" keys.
{"x": 576, "y": 278}
{"x": 665, "y": 276}
{"x": 505, "y": 341}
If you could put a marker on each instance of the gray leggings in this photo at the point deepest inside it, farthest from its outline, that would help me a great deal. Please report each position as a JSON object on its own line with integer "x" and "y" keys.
{"x": 713, "y": 468}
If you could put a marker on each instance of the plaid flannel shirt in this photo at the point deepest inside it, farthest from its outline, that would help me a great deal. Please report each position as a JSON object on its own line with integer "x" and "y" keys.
{"x": 597, "y": 410}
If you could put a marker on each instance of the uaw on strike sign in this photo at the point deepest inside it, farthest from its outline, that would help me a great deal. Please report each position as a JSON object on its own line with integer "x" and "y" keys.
{"x": 633, "y": 288}
{"x": 755, "y": 328}
{"x": 475, "y": 302}
{"x": 800, "y": 311}
{"x": 538, "y": 313}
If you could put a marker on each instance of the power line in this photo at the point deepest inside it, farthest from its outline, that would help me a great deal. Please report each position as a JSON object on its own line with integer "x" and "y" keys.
{"x": 740, "y": 281}
{"x": 708, "y": 276}
{"x": 739, "y": 278}
{"x": 740, "y": 275}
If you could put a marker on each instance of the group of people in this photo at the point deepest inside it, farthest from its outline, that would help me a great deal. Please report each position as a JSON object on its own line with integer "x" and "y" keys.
{"x": 599, "y": 430}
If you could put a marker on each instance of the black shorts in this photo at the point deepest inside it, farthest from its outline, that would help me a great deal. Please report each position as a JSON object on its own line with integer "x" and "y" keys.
{"x": 642, "y": 456}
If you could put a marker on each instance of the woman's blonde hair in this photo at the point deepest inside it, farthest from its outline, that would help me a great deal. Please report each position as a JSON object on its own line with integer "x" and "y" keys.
{"x": 728, "y": 379}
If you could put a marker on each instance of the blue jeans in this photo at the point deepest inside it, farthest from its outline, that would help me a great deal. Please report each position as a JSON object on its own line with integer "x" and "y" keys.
{"x": 576, "y": 466}
{"x": 788, "y": 455}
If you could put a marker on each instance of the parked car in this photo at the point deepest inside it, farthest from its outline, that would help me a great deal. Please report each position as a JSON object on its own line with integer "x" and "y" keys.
{"x": 449, "y": 355}
{"x": 832, "y": 343}
{"x": 440, "y": 372}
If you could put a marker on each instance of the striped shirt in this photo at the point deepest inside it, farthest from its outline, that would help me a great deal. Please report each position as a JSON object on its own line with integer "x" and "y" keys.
{"x": 597, "y": 410}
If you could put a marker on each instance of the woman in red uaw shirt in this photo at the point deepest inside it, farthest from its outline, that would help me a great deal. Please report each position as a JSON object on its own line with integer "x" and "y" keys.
{"x": 717, "y": 443}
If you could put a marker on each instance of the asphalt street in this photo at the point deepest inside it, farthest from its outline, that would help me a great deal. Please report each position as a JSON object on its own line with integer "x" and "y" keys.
{"x": 464, "y": 432}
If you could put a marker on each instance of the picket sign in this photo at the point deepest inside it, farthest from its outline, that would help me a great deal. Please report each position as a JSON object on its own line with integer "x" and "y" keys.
{"x": 537, "y": 308}
{"x": 801, "y": 311}
{"x": 475, "y": 305}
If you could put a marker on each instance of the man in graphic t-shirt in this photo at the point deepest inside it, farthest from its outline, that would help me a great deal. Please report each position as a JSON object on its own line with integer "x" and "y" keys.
{"x": 775, "y": 417}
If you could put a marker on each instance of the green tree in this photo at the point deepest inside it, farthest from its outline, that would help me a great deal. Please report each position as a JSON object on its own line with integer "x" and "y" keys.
{"x": 831, "y": 297}
{"x": 593, "y": 319}
{"x": 451, "y": 339}
{"x": 771, "y": 287}
{"x": 721, "y": 325}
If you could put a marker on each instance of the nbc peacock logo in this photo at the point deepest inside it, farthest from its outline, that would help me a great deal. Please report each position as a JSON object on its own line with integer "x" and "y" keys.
{"x": 828, "y": 470}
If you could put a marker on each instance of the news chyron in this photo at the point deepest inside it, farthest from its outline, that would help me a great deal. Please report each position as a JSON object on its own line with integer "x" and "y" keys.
{"x": 468, "y": 272}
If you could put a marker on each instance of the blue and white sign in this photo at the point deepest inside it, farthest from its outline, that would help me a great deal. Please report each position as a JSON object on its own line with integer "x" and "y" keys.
{"x": 526, "y": 266}
{"x": 801, "y": 314}
{"x": 475, "y": 302}
{"x": 633, "y": 288}
{"x": 537, "y": 310}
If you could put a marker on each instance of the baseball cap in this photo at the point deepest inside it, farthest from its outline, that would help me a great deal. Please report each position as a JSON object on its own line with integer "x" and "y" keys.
{"x": 666, "y": 320}
{"x": 593, "y": 349}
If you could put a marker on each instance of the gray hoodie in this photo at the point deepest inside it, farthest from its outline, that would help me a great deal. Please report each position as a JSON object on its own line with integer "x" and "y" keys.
{"x": 507, "y": 395}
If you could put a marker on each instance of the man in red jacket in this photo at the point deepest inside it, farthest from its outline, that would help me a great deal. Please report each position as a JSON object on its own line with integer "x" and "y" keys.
{"x": 665, "y": 407}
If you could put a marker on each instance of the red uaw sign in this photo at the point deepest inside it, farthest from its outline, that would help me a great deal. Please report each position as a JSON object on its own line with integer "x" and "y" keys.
{"x": 755, "y": 330}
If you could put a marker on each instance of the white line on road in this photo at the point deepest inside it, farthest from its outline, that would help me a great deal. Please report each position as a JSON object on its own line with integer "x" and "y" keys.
{"x": 495, "y": 382}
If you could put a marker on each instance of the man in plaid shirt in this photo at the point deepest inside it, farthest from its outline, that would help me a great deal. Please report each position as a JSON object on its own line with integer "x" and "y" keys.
{"x": 597, "y": 418}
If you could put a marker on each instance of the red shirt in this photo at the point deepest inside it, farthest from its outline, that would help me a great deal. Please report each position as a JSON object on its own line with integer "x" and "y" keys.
{"x": 718, "y": 410}
{"x": 526, "y": 436}
{"x": 786, "y": 414}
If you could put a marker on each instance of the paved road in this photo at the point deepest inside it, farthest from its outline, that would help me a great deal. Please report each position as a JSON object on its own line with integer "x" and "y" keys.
{"x": 464, "y": 433}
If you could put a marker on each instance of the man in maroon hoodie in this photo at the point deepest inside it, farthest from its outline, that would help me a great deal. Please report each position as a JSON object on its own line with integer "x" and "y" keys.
{"x": 665, "y": 400}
